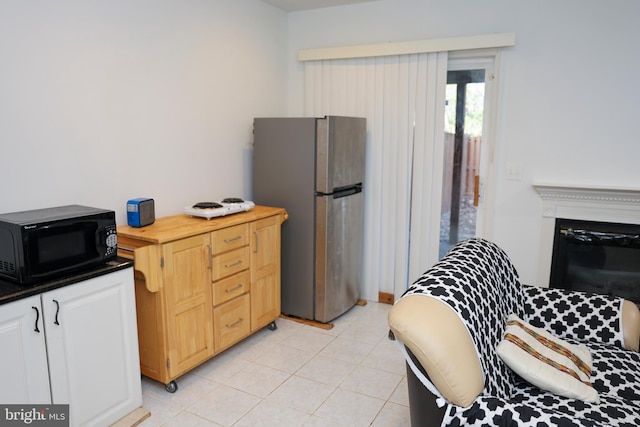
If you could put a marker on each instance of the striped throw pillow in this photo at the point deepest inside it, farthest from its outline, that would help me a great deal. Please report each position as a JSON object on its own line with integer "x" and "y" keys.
{"x": 547, "y": 361}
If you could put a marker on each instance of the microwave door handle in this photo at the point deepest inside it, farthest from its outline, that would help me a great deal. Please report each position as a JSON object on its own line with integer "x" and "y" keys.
{"x": 101, "y": 235}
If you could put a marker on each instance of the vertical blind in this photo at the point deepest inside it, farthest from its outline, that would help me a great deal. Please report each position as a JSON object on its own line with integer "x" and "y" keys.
{"x": 402, "y": 97}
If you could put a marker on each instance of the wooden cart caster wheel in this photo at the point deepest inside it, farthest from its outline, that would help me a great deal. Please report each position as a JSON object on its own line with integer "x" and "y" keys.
{"x": 171, "y": 387}
{"x": 272, "y": 326}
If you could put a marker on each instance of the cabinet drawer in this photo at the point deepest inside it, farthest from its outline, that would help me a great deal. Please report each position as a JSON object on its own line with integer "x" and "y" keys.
{"x": 230, "y": 263}
{"x": 231, "y": 287}
{"x": 230, "y": 238}
{"x": 231, "y": 322}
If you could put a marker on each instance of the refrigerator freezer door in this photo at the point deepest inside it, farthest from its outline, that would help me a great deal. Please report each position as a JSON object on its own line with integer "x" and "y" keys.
{"x": 339, "y": 230}
{"x": 340, "y": 152}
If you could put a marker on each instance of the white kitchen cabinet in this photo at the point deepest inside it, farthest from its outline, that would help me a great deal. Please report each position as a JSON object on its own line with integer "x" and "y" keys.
{"x": 23, "y": 358}
{"x": 91, "y": 348}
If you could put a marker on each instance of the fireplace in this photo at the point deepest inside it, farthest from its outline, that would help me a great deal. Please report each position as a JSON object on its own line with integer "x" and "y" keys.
{"x": 586, "y": 207}
{"x": 598, "y": 257}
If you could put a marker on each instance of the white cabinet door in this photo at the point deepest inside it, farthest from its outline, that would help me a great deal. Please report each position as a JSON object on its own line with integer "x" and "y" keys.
{"x": 23, "y": 356}
{"x": 93, "y": 348}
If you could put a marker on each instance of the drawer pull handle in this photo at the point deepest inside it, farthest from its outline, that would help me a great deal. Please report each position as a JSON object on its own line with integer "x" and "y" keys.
{"x": 232, "y": 239}
{"x": 234, "y": 288}
{"x": 237, "y": 322}
{"x": 233, "y": 264}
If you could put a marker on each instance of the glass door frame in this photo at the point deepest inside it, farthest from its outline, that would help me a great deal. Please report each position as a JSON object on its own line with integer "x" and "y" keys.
{"x": 489, "y": 60}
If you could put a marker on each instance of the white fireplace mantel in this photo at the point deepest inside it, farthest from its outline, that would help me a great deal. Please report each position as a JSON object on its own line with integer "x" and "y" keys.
{"x": 588, "y": 195}
{"x": 588, "y": 203}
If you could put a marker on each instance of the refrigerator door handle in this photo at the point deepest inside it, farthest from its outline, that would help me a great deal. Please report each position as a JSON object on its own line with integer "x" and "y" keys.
{"x": 347, "y": 191}
{"x": 342, "y": 191}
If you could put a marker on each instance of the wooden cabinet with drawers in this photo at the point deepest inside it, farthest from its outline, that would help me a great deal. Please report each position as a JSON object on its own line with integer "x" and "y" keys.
{"x": 202, "y": 285}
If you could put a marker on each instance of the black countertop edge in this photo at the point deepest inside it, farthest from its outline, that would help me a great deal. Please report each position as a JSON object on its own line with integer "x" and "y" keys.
{"x": 10, "y": 291}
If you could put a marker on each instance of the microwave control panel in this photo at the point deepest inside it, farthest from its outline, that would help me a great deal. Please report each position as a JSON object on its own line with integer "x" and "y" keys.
{"x": 111, "y": 240}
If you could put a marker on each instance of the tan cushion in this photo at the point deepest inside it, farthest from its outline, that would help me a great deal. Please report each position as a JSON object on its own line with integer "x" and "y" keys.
{"x": 442, "y": 344}
{"x": 547, "y": 361}
{"x": 630, "y": 325}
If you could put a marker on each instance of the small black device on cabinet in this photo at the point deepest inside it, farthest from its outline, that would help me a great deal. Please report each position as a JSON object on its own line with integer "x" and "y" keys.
{"x": 141, "y": 212}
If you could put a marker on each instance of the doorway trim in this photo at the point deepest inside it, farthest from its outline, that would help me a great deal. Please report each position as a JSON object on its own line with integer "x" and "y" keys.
{"x": 491, "y": 61}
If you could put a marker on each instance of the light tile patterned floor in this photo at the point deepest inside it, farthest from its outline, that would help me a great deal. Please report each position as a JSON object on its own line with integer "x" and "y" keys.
{"x": 297, "y": 375}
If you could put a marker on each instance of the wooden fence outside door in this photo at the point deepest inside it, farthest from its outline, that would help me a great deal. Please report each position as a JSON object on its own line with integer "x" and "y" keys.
{"x": 470, "y": 168}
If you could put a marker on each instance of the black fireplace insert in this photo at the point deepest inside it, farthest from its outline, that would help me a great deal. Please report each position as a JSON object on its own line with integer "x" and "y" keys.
{"x": 597, "y": 257}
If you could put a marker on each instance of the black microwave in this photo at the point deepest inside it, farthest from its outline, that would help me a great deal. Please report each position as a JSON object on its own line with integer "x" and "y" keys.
{"x": 42, "y": 244}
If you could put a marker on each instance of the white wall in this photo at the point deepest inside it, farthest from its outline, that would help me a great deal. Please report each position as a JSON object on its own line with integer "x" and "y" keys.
{"x": 569, "y": 101}
{"x": 105, "y": 101}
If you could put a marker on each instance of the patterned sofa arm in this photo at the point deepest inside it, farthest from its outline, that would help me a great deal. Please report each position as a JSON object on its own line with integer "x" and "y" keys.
{"x": 583, "y": 317}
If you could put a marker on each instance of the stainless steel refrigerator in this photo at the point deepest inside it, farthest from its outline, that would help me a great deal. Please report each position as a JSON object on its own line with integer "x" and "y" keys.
{"x": 314, "y": 168}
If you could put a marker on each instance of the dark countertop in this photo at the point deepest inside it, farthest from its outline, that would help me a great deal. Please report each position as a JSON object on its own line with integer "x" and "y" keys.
{"x": 11, "y": 291}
